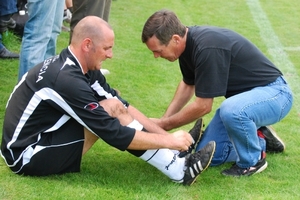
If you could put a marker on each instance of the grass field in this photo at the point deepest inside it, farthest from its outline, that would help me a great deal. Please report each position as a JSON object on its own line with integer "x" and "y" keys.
{"x": 149, "y": 83}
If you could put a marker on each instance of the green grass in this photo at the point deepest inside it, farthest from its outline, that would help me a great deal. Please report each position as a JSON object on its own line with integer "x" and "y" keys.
{"x": 148, "y": 84}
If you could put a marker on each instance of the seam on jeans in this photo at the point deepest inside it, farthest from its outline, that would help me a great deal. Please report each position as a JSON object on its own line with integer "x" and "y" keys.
{"x": 243, "y": 126}
{"x": 289, "y": 100}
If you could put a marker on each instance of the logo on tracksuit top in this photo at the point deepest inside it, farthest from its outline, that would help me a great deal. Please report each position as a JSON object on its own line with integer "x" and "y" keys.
{"x": 92, "y": 106}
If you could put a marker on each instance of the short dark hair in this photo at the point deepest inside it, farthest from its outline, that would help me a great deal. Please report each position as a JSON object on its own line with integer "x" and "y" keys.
{"x": 163, "y": 24}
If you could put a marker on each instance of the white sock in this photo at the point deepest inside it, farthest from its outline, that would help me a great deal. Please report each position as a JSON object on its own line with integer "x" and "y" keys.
{"x": 166, "y": 161}
{"x": 175, "y": 151}
{"x": 136, "y": 125}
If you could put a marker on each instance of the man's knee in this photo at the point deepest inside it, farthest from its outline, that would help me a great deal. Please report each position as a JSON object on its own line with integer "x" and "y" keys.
{"x": 113, "y": 107}
{"x": 229, "y": 112}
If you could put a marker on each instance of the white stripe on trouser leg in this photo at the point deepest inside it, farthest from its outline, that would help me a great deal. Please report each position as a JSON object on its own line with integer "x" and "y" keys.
{"x": 167, "y": 162}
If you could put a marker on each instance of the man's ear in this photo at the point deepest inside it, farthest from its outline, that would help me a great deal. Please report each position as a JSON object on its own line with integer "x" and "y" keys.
{"x": 176, "y": 38}
{"x": 86, "y": 44}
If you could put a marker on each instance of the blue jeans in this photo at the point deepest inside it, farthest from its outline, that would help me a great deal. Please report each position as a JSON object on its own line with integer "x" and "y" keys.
{"x": 1, "y": 44}
{"x": 40, "y": 32}
{"x": 234, "y": 125}
{"x": 8, "y": 7}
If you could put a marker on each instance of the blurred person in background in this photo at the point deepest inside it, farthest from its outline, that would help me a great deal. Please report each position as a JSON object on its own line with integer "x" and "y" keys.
{"x": 40, "y": 32}
{"x": 7, "y": 9}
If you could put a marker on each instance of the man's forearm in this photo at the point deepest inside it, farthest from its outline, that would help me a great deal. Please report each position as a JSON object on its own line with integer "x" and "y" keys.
{"x": 180, "y": 140}
{"x": 182, "y": 95}
{"x": 148, "y": 124}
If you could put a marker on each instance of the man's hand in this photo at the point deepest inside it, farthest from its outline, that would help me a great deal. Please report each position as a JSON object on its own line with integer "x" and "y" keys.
{"x": 181, "y": 140}
{"x": 155, "y": 120}
{"x": 159, "y": 122}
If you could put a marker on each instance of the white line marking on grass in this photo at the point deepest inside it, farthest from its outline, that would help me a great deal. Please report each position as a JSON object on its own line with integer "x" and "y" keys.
{"x": 275, "y": 49}
{"x": 292, "y": 48}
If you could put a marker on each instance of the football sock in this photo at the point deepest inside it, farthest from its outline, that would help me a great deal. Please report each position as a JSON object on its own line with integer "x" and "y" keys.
{"x": 167, "y": 162}
{"x": 136, "y": 125}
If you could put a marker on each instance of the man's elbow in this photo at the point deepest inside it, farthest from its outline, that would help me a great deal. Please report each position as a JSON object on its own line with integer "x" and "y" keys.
{"x": 207, "y": 109}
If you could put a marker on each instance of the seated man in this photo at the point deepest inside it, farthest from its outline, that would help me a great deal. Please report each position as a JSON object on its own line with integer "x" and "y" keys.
{"x": 62, "y": 106}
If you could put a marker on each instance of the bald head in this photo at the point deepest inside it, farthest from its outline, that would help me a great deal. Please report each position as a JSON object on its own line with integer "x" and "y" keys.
{"x": 89, "y": 27}
{"x": 92, "y": 42}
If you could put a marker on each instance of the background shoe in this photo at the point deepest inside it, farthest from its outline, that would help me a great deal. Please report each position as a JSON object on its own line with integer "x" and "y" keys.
{"x": 65, "y": 28}
{"x": 273, "y": 143}
{"x": 104, "y": 71}
{"x": 4, "y": 53}
{"x": 67, "y": 16}
{"x": 4, "y": 24}
{"x": 11, "y": 23}
{"x": 196, "y": 133}
{"x": 236, "y": 171}
{"x": 199, "y": 161}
